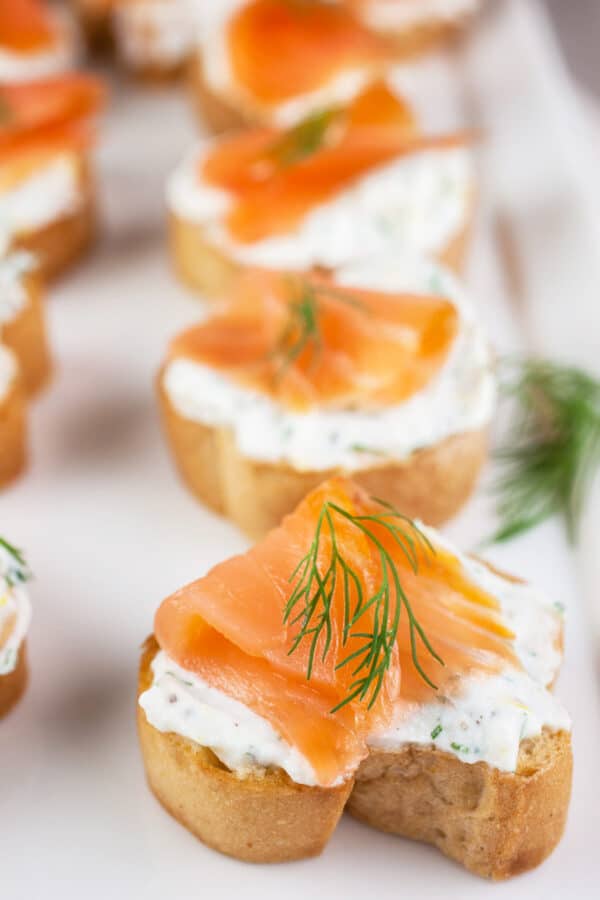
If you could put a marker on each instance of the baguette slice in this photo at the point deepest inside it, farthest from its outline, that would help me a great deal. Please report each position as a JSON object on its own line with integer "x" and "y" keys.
{"x": 264, "y": 817}
{"x": 25, "y": 335}
{"x": 207, "y": 270}
{"x": 13, "y": 432}
{"x": 12, "y": 685}
{"x": 61, "y": 243}
{"x": 496, "y": 824}
{"x": 431, "y": 485}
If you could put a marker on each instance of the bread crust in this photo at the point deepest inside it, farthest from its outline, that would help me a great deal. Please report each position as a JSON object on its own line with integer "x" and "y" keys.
{"x": 431, "y": 485}
{"x": 497, "y": 824}
{"x": 25, "y": 335}
{"x": 261, "y": 818}
{"x": 207, "y": 270}
{"x": 59, "y": 244}
{"x": 12, "y": 685}
{"x": 13, "y": 433}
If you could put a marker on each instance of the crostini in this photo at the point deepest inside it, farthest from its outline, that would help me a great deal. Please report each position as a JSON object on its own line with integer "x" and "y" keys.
{"x": 22, "y": 324}
{"x": 155, "y": 38}
{"x": 13, "y": 418}
{"x": 46, "y": 180}
{"x": 382, "y": 371}
{"x": 347, "y": 184}
{"x": 415, "y": 26}
{"x": 15, "y": 617}
{"x": 355, "y": 657}
{"x": 324, "y": 56}
{"x": 37, "y": 39}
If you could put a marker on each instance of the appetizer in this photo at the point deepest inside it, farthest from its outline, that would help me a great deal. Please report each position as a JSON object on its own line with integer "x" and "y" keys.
{"x": 346, "y": 184}
{"x": 154, "y": 38}
{"x": 356, "y": 658}
{"x": 13, "y": 418}
{"x": 22, "y": 326}
{"x": 275, "y": 62}
{"x": 415, "y": 25}
{"x": 15, "y": 616}
{"x": 36, "y": 40}
{"x": 381, "y": 371}
{"x": 46, "y": 184}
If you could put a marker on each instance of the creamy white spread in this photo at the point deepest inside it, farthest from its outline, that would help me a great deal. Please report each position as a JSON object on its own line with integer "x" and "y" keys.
{"x": 402, "y": 15}
{"x": 13, "y": 293}
{"x": 8, "y": 370}
{"x": 180, "y": 702}
{"x": 155, "y": 32}
{"x": 51, "y": 192}
{"x": 483, "y": 719}
{"x": 419, "y": 202}
{"x": 15, "y": 608}
{"x": 460, "y": 398}
{"x": 57, "y": 57}
{"x": 218, "y": 74}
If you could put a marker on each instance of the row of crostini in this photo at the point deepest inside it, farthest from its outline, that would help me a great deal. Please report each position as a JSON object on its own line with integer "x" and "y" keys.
{"x": 47, "y": 221}
{"x": 340, "y": 390}
{"x": 352, "y": 659}
{"x": 344, "y": 40}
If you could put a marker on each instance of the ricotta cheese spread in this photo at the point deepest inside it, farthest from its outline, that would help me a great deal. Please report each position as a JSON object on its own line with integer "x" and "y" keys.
{"x": 51, "y": 192}
{"x": 15, "y": 608}
{"x": 460, "y": 398}
{"x": 484, "y": 719}
{"x": 155, "y": 32}
{"x": 402, "y": 15}
{"x": 419, "y": 202}
{"x": 13, "y": 294}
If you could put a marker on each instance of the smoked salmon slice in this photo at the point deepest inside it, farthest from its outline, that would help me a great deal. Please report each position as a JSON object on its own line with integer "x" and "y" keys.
{"x": 41, "y": 118}
{"x": 276, "y": 177}
{"x": 26, "y": 26}
{"x": 333, "y": 619}
{"x": 280, "y": 49}
{"x": 306, "y": 342}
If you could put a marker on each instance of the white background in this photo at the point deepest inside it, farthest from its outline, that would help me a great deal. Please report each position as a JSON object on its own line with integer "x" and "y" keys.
{"x": 109, "y": 531}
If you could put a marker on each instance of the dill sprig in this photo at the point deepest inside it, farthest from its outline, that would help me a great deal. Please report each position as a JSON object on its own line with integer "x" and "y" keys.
{"x": 18, "y": 571}
{"x": 303, "y": 139}
{"x": 553, "y": 447}
{"x": 310, "y": 603}
{"x": 302, "y": 330}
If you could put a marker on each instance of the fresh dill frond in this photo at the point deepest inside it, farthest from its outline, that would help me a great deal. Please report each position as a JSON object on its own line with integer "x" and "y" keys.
{"x": 303, "y": 330}
{"x": 552, "y": 451}
{"x": 18, "y": 571}
{"x": 304, "y": 139}
{"x": 310, "y": 603}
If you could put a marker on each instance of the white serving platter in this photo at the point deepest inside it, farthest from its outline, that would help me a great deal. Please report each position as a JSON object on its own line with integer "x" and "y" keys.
{"x": 109, "y": 531}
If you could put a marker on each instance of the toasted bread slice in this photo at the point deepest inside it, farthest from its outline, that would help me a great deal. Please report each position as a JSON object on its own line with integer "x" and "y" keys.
{"x": 496, "y": 824}
{"x": 431, "y": 485}
{"x": 264, "y": 817}
{"x": 61, "y": 243}
{"x": 12, "y": 685}
{"x": 25, "y": 335}
{"x": 208, "y": 271}
{"x": 13, "y": 432}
